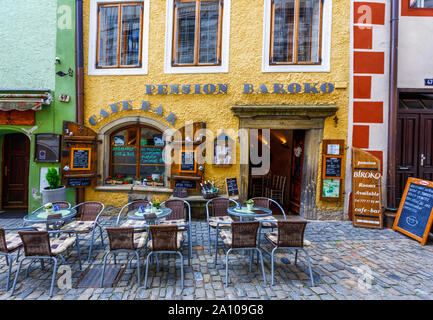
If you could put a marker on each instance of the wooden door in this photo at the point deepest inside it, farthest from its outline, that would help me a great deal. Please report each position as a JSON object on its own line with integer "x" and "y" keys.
{"x": 296, "y": 170}
{"x": 16, "y": 158}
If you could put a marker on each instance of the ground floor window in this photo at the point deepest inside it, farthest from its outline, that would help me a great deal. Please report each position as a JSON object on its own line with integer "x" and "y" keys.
{"x": 136, "y": 153}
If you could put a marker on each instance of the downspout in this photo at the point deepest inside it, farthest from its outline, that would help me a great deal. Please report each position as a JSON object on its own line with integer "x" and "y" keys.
{"x": 393, "y": 103}
{"x": 79, "y": 80}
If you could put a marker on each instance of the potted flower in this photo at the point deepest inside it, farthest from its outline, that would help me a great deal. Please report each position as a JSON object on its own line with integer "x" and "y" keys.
{"x": 250, "y": 204}
{"x": 159, "y": 182}
{"x": 49, "y": 208}
{"x": 128, "y": 180}
{"x": 155, "y": 207}
{"x": 54, "y": 192}
{"x": 149, "y": 181}
{"x": 109, "y": 180}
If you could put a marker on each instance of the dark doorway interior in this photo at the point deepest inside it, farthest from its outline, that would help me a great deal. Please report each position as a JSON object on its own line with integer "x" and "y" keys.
{"x": 15, "y": 173}
{"x": 414, "y": 139}
{"x": 283, "y": 181}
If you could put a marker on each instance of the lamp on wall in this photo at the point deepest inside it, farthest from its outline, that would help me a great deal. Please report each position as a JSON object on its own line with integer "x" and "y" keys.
{"x": 62, "y": 74}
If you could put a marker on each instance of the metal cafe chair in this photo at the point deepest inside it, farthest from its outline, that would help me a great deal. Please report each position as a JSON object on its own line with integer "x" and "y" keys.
{"x": 124, "y": 240}
{"x": 216, "y": 211}
{"x": 241, "y": 236}
{"x": 39, "y": 245}
{"x": 138, "y": 225}
{"x": 267, "y": 222}
{"x": 165, "y": 239}
{"x": 10, "y": 243}
{"x": 290, "y": 235}
{"x": 177, "y": 218}
{"x": 89, "y": 219}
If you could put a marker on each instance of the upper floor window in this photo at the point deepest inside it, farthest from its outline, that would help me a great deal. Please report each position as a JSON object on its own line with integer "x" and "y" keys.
{"x": 296, "y": 32}
{"x": 421, "y": 3}
{"x": 119, "y": 35}
{"x": 197, "y": 32}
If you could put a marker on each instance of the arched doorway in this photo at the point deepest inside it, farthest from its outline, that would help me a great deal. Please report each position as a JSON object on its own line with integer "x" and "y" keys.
{"x": 15, "y": 171}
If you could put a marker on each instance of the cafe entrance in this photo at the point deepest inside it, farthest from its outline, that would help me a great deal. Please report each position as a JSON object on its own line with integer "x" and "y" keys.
{"x": 282, "y": 181}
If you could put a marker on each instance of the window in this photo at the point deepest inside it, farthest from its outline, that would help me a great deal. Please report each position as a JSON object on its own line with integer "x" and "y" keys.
{"x": 136, "y": 153}
{"x": 421, "y": 3}
{"x": 296, "y": 32}
{"x": 119, "y": 35}
{"x": 197, "y": 31}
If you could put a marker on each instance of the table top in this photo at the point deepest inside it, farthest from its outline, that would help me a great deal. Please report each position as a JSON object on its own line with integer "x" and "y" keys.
{"x": 162, "y": 213}
{"x": 41, "y": 216}
{"x": 245, "y": 213}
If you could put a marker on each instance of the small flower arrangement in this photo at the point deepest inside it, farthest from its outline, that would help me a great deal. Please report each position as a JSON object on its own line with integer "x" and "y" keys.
{"x": 49, "y": 207}
{"x": 250, "y": 204}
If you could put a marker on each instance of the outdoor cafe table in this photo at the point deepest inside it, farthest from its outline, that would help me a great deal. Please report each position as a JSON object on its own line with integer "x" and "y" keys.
{"x": 152, "y": 218}
{"x": 244, "y": 213}
{"x": 41, "y": 216}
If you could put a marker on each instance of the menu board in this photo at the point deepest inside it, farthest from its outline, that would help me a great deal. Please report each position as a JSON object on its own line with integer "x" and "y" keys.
{"x": 79, "y": 182}
{"x": 366, "y": 190}
{"x": 80, "y": 159}
{"x": 151, "y": 155}
{"x": 232, "y": 187}
{"x": 414, "y": 216}
{"x": 124, "y": 155}
{"x": 188, "y": 161}
{"x": 332, "y": 167}
{"x": 189, "y": 184}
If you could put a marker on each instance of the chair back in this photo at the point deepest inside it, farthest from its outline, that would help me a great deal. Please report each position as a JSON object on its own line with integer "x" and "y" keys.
{"x": 177, "y": 209}
{"x": 131, "y": 206}
{"x": 62, "y": 204}
{"x": 164, "y": 238}
{"x": 244, "y": 234}
{"x": 261, "y": 202}
{"x": 3, "y": 246}
{"x": 121, "y": 238}
{"x": 36, "y": 243}
{"x": 219, "y": 206}
{"x": 291, "y": 233}
{"x": 89, "y": 211}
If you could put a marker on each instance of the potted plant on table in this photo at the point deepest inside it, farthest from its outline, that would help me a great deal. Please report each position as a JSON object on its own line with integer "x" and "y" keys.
{"x": 250, "y": 204}
{"x": 54, "y": 192}
{"x": 155, "y": 207}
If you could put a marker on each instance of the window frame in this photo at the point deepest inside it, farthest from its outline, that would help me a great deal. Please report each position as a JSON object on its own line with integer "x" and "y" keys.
{"x": 197, "y": 34}
{"x": 120, "y": 6}
{"x": 296, "y": 37}
{"x": 137, "y": 146}
{"x": 408, "y": 11}
{"x": 93, "y": 51}
{"x": 324, "y": 42}
{"x": 224, "y": 38}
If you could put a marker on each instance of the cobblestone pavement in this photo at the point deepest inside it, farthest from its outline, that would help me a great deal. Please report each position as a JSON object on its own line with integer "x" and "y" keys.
{"x": 343, "y": 258}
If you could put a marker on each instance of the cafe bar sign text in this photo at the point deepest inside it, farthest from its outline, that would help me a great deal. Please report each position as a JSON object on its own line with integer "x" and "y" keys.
{"x": 248, "y": 88}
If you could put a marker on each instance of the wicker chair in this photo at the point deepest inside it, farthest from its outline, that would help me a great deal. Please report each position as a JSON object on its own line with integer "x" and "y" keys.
{"x": 56, "y": 224}
{"x": 10, "y": 243}
{"x": 217, "y": 213}
{"x": 124, "y": 240}
{"x": 177, "y": 218}
{"x": 138, "y": 225}
{"x": 89, "y": 213}
{"x": 290, "y": 234}
{"x": 165, "y": 239}
{"x": 276, "y": 189}
{"x": 39, "y": 245}
{"x": 241, "y": 236}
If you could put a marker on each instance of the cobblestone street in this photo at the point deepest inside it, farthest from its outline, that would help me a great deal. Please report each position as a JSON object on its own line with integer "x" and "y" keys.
{"x": 342, "y": 258}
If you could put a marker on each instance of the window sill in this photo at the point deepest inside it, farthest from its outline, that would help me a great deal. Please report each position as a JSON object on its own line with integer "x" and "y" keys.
{"x": 117, "y": 71}
{"x": 132, "y": 188}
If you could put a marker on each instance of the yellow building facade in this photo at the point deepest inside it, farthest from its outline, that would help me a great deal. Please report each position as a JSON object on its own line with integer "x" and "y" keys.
{"x": 245, "y": 91}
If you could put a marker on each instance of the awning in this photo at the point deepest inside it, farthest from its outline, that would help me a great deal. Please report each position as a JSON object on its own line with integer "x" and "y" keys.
{"x": 23, "y": 102}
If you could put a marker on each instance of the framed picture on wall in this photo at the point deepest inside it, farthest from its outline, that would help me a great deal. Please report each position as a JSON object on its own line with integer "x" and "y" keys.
{"x": 47, "y": 147}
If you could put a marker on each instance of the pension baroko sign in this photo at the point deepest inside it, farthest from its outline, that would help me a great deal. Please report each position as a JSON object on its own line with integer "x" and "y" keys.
{"x": 248, "y": 88}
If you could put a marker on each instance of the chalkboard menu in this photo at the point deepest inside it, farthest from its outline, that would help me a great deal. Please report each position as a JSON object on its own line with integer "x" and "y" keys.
{"x": 79, "y": 182}
{"x": 124, "y": 155}
{"x": 232, "y": 187}
{"x": 333, "y": 167}
{"x": 414, "y": 217}
{"x": 187, "y": 161}
{"x": 189, "y": 184}
{"x": 80, "y": 159}
{"x": 151, "y": 155}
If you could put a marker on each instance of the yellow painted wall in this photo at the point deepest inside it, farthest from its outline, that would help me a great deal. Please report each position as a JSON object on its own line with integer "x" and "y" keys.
{"x": 245, "y": 66}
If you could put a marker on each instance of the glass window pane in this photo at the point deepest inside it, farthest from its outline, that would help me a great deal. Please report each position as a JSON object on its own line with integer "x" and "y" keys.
{"x": 185, "y": 35}
{"x": 421, "y": 3}
{"x": 309, "y": 31}
{"x": 130, "y": 35}
{"x": 108, "y": 29}
{"x": 284, "y": 17}
{"x": 209, "y": 14}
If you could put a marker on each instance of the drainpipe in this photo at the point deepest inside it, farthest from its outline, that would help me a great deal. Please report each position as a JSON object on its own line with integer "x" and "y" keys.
{"x": 393, "y": 104}
{"x": 79, "y": 80}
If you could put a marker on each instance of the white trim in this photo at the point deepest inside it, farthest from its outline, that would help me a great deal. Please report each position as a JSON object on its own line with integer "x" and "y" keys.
{"x": 223, "y": 68}
{"x": 325, "y": 66}
{"x": 93, "y": 28}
